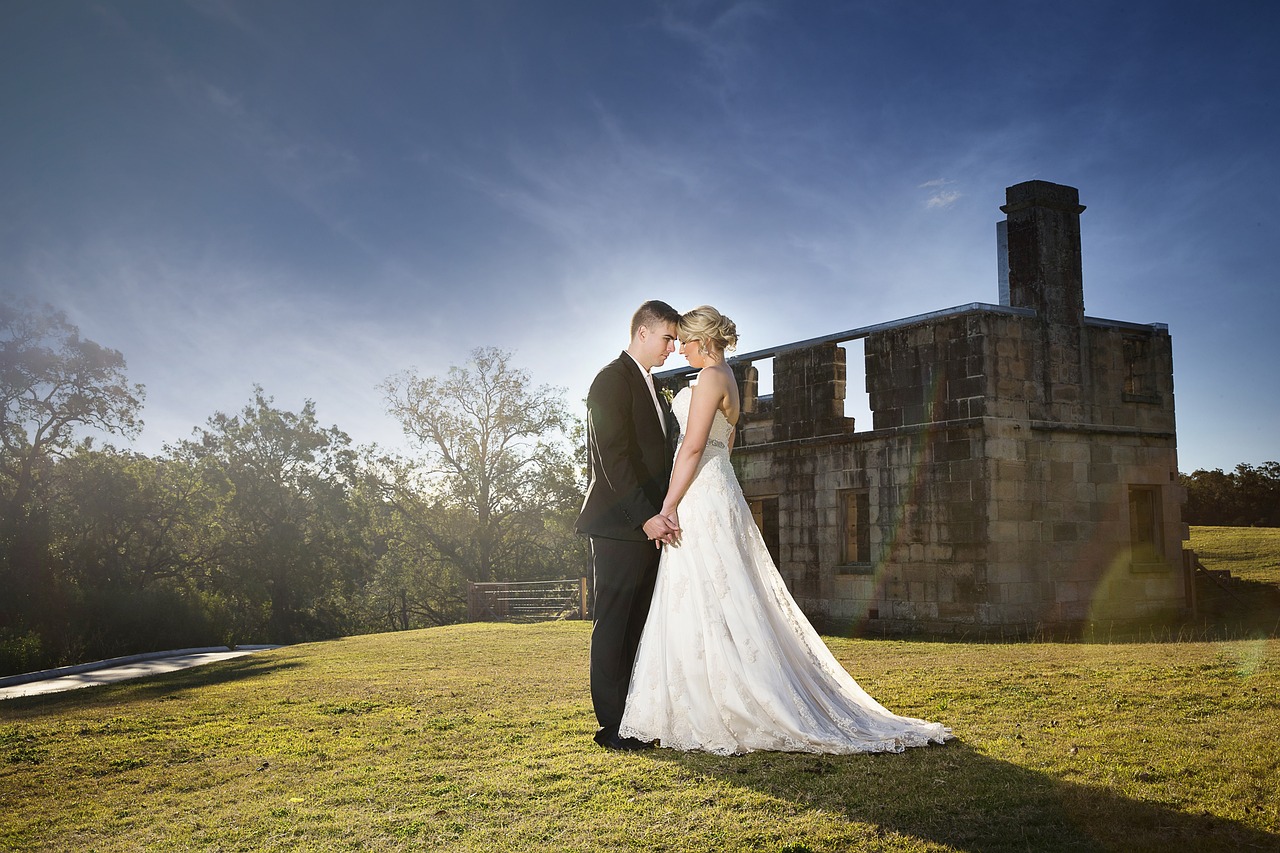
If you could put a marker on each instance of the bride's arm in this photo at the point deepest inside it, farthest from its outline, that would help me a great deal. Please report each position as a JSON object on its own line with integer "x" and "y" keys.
{"x": 707, "y": 395}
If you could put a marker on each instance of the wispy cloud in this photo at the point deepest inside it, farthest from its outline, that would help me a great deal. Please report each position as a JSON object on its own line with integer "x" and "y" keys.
{"x": 946, "y": 198}
{"x": 939, "y": 197}
{"x": 225, "y": 12}
{"x": 299, "y": 162}
{"x": 601, "y": 187}
{"x": 722, "y": 38}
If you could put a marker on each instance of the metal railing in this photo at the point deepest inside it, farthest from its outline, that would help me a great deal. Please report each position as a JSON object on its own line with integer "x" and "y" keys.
{"x": 528, "y": 601}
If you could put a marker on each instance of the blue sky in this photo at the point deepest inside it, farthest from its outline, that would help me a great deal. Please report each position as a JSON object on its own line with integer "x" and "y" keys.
{"x": 315, "y": 195}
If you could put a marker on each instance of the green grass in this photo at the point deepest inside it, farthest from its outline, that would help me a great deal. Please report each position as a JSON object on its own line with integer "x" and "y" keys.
{"x": 1251, "y": 553}
{"x": 477, "y": 738}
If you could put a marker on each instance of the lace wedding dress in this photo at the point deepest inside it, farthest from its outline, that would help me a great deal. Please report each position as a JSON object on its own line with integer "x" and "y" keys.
{"x": 728, "y": 663}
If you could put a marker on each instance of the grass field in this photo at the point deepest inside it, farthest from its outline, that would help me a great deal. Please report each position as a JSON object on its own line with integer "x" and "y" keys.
{"x": 477, "y": 738}
{"x": 1251, "y": 553}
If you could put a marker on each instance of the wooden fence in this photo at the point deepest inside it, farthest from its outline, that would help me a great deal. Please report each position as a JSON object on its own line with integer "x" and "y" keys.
{"x": 528, "y": 601}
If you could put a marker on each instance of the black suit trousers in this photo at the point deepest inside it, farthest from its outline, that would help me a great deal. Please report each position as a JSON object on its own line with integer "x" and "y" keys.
{"x": 624, "y": 573}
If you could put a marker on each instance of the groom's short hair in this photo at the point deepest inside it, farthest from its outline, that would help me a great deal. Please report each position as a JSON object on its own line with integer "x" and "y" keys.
{"x": 651, "y": 313}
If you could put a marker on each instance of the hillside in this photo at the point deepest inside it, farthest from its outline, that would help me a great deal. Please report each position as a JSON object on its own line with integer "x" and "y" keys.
{"x": 1249, "y": 553}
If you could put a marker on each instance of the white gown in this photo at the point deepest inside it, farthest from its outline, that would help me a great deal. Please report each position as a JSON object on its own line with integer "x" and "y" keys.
{"x": 728, "y": 663}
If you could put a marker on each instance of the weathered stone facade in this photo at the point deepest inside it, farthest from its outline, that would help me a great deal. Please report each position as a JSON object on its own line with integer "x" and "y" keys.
{"x": 1020, "y": 472}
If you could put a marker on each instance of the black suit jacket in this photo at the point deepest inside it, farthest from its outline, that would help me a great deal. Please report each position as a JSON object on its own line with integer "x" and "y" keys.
{"x": 629, "y": 457}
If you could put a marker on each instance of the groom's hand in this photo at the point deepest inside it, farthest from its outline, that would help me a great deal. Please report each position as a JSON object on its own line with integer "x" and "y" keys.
{"x": 660, "y": 529}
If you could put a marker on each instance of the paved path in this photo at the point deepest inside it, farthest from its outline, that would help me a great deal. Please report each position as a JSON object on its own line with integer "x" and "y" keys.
{"x": 116, "y": 669}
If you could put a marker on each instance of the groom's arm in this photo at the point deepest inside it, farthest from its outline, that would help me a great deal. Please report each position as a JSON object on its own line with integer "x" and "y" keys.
{"x": 611, "y": 426}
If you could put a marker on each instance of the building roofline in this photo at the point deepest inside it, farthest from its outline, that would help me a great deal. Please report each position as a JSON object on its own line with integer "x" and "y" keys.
{"x": 865, "y": 331}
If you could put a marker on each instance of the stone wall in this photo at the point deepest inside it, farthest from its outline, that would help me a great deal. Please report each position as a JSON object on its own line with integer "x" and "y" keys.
{"x": 1021, "y": 466}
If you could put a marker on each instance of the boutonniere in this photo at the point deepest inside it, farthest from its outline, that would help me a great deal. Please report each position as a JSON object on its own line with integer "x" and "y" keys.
{"x": 667, "y": 394}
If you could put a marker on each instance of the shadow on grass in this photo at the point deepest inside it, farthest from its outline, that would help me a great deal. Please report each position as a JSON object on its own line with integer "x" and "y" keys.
{"x": 955, "y": 796}
{"x": 1240, "y": 610}
{"x": 1241, "y": 607}
{"x": 155, "y": 686}
{"x": 209, "y": 675}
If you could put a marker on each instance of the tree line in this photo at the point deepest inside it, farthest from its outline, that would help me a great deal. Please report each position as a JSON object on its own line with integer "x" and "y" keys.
{"x": 1247, "y": 497}
{"x": 263, "y": 526}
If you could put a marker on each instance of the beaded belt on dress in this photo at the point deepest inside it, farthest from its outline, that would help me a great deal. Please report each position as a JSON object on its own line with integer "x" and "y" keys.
{"x": 711, "y": 441}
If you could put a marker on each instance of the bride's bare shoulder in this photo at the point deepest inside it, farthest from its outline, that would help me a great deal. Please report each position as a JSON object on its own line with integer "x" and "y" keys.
{"x": 712, "y": 382}
{"x": 720, "y": 385}
{"x": 715, "y": 378}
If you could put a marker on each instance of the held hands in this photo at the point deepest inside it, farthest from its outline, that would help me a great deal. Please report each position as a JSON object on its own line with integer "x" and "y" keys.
{"x": 663, "y": 529}
{"x": 674, "y": 520}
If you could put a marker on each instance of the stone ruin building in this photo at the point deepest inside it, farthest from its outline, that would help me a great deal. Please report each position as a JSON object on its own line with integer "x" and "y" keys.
{"x": 1021, "y": 468}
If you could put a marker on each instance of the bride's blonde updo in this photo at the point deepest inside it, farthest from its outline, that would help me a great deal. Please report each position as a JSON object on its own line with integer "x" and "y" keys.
{"x": 709, "y": 326}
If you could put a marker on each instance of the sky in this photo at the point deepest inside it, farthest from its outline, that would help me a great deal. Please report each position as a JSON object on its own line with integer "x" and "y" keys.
{"x": 313, "y": 196}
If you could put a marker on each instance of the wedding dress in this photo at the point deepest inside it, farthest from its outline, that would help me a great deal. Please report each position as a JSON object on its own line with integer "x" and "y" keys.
{"x": 728, "y": 663}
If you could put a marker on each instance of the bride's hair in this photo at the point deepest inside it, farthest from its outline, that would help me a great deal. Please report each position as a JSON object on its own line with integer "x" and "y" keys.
{"x": 708, "y": 325}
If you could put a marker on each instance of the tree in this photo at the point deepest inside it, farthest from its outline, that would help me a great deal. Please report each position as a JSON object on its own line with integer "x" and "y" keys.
{"x": 292, "y": 550}
{"x": 130, "y": 541}
{"x": 52, "y": 383}
{"x": 489, "y": 496}
{"x": 1248, "y": 496}
{"x": 125, "y": 520}
{"x": 1259, "y": 493}
{"x": 417, "y": 582}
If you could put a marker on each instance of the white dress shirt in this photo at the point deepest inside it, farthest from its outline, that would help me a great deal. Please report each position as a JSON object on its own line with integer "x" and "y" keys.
{"x": 653, "y": 392}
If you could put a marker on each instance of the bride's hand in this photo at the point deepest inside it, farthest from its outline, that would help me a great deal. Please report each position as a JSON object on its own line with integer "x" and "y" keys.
{"x": 658, "y": 529}
{"x": 673, "y": 518}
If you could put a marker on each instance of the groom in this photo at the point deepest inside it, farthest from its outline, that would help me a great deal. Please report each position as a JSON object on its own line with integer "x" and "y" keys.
{"x": 629, "y": 445}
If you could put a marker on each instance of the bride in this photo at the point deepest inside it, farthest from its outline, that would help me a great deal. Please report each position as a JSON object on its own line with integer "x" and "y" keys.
{"x": 727, "y": 662}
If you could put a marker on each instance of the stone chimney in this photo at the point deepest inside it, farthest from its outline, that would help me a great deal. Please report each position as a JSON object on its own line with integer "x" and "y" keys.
{"x": 1045, "y": 274}
{"x": 1044, "y": 250}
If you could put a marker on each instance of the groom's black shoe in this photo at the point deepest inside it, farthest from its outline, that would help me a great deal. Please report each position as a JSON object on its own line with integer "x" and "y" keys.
{"x": 610, "y": 739}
